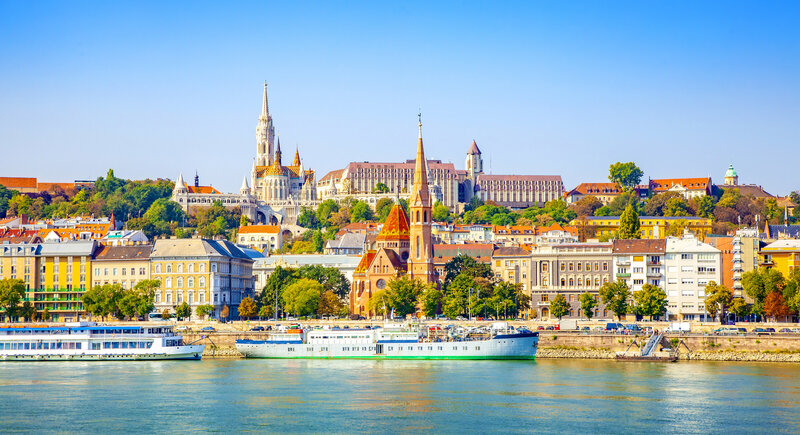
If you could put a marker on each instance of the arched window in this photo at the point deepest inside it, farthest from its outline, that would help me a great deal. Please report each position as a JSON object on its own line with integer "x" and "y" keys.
{"x": 571, "y": 282}
{"x": 158, "y": 268}
{"x": 180, "y": 268}
{"x": 169, "y": 283}
{"x": 190, "y": 282}
{"x": 191, "y": 267}
{"x": 417, "y": 215}
{"x": 202, "y": 267}
{"x": 418, "y": 251}
{"x": 425, "y": 216}
{"x": 563, "y": 282}
{"x": 179, "y": 282}
{"x": 169, "y": 268}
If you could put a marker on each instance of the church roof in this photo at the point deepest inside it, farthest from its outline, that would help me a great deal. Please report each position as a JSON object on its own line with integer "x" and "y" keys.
{"x": 275, "y": 169}
{"x": 396, "y": 225}
{"x": 731, "y": 172}
{"x": 473, "y": 149}
{"x": 202, "y": 189}
{"x": 366, "y": 260}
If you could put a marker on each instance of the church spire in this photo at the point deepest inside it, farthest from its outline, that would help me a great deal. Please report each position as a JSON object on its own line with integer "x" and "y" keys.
{"x": 420, "y": 262}
{"x": 278, "y": 151}
{"x": 296, "y": 157}
{"x": 419, "y": 192}
{"x": 265, "y": 105}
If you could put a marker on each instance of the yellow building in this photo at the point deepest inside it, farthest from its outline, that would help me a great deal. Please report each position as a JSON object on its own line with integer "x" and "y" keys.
{"x": 55, "y": 274}
{"x": 652, "y": 227}
{"x": 201, "y": 272}
{"x": 783, "y": 255}
{"x": 124, "y": 265}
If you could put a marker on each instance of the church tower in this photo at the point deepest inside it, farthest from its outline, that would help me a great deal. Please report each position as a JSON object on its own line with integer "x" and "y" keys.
{"x": 420, "y": 262}
{"x": 474, "y": 162}
{"x": 265, "y": 134}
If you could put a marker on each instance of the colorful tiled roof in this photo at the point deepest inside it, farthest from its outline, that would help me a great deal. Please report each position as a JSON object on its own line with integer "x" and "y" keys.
{"x": 396, "y": 225}
{"x": 257, "y": 229}
{"x": 366, "y": 260}
{"x": 202, "y": 189}
{"x": 664, "y": 184}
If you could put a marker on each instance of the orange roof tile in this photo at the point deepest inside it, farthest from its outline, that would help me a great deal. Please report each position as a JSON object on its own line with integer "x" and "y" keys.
{"x": 18, "y": 182}
{"x": 202, "y": 189}
{"x": 396, "y": 225}
{"x": 255, "y": 229}
{"x": 664, "y": 184}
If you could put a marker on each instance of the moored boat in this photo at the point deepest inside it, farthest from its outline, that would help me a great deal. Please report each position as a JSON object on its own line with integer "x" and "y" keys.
{"x": 90, "y": 341}
{"x": 393, "y": 342}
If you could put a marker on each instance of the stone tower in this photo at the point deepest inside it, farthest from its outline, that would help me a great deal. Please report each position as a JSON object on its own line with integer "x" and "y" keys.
{"x": 420, "y": 262}
{"x": 474, "y": 163}
{"x": 265, "y": 134}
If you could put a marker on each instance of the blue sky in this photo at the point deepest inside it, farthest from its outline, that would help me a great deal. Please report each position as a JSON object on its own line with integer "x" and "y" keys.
{"x": 545, "y": 87}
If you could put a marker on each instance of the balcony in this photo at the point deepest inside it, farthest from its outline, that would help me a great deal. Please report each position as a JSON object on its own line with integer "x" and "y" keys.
{"x": 623, "y": 275}
{"x": 653, "y": 274}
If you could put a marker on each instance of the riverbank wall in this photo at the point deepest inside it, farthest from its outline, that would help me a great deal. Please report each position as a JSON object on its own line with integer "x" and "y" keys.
{"x": 573, "y": 345}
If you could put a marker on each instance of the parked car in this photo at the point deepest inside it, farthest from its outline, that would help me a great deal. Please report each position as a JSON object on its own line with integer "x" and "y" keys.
{"x": 550, "y": 328}
{"x": 585, "y": 328}
{"x": 257, "y": 328}
{"x": 207, "y": 329}
{"x": 770, "y": 330}
{"x": 182, "y": 328}
{"x": 726, "y": 330}
{"x": 540, "y": 328}
{"x": 614, "y": 326}
{"x": 761, "y": 331}
{"x": 785, "y": 330}
{"x": 633, "y": 328}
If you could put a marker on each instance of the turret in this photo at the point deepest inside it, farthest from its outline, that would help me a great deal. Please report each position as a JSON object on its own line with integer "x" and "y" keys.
{"x": 245, "y": 189}
{"x": 180, "y": 185}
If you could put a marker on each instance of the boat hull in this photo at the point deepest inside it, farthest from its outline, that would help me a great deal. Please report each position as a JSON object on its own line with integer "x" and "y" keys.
{"x": 190, "y": 352}
{"x": 511, "y": 347}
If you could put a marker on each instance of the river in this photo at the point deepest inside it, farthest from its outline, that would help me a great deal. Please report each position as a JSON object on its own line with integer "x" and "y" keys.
{"x": 345, "y": 396}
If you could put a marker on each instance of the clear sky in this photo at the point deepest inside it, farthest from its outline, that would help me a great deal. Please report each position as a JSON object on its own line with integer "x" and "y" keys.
{"x": 545, "y": 87}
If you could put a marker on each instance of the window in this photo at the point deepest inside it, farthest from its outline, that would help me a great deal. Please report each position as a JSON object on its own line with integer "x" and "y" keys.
{"x": 563, "y": 267}
{"x": 638, "y": 281}
{"x": 123, "y": 271}
{"x": 686, "y": 256}
{"x": 579, "y": 267}
{"x": 202, "y": 282}
{"x": 190, "y": 282}
{"x": 545, "y": 297}
{"x": 605, "y": 266}
{"x": 638, "y": 270}
{"x": 179, "y": 282}
{"x": 687, "y": 281}
{"x": 571, "y": 267}
{"x": 158, "y": 268}
{"x": 179, "y": 268}
{"x": 169, "y": 282}
{"x": 169, "y": 268}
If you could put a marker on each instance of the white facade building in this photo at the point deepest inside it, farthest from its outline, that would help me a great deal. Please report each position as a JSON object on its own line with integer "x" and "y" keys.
{"x": 690, "y": 266}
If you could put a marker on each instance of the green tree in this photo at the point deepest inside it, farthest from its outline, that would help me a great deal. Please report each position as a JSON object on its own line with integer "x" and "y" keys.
{"x": 431, "y": 300}
{"x": 302, "y": 297}
{"x": 308, "y": 219}
{"x": 650, "y": 301}
{"x": 377, "y": 302}
{"x": 264, "y": 312}
{"x": 104, "y": 300}
{"x": 330, "y": 304}
{"x": 586, "y": 206}
{"x": 718, "y": 299}
{"x": 629, "y": 225}
{"x": 467, "y": 264}
{"x": 277, "y": 282}
{"x": 559, "y": 307}
{"x": 704, "y": 206}
{"x": 46, "y": 314}
{"x": 440, "y": 212}
{"x": 204, "y": 310}
{"x": 216, "y": 220}
{"x": 626, "y": 175}
{"x": 184, "y": 311}
{"x": 739, "y": 307}
{"x": 20, "y": 205}
{"x": 331, "y": 278}
{"x": 360, "y": 212}
{"x": 382, "y": 209}
{"x": 403, "y": 293}
{"x": 758, "y": 284}
{"x": 27, "y": 311}
{"x": 11, "y": 293}
{"x": 615, "y": 296}
{"x": 325, "y": 210}
{"x": 247, "y": 308}
{"x": 588, "y": 303}
{"x": 381, "y": 188}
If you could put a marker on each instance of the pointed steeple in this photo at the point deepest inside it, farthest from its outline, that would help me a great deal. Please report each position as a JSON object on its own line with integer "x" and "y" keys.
{"x": 179, "y": 184}
{"x": 473, "y": 149}
{"x": 245, "y": 189}
{"x": 419, "y": 191}
{"x": 296, "y": 157}
{"x": 278, "y": 151}
{"x": 264, "y": 104}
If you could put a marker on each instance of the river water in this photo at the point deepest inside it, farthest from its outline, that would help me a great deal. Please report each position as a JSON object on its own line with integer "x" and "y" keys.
{"x": 345, "y": 396}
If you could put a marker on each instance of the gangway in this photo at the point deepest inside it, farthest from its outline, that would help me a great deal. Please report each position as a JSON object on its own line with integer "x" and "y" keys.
{"x": 652, "y": 343}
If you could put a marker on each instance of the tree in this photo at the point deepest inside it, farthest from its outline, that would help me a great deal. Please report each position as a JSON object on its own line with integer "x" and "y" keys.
{"x": 28, "y": 311}
{"x": 704, "y": 206}
{"x": 629, "y": 225}
{"x": 204, "y": 310}
{"x": 11, "y": 293}
{"x": 465, "y": 263}
{"x": 626, "y": 175}
{"x": 615, "y": 297}
{"x": 758, "y": 284}
{"x": 302, "y": 297}
{"x": 165, "y": 314}
{"x": 718, "y": 299}
{"x": 308, "y": 219}
{"x": 46, "y": 314}
{"x": 381, "y": 188}
{"x": 586, "y": 206}
{"x": 104, "y": 300}
{"x": 325, "y": 210}
{"x": 277, "y": 282}
{"x": 440, "y": 212}
{"x": 739, "y": 307}
{"x": 247, "y": 308}
{"x": 265, "y": 312}
{"x": 588, "y": 303}
{"x": 403, "y": 293}
{"x": 360, "y": 212}
{"x": 330, "y": 304}
{"x": 775, "y": 306}
{"x": 382, "y": 209}
{"x": 431, "y": 300}
{"x": 650, "y": 301}
{"x": 559, "y": 306}
{"x": 184, "y": 311}
{"x": 224, "y": 312}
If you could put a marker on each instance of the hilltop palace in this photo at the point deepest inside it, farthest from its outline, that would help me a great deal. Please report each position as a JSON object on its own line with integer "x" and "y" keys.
{"x": 279, "y": 192}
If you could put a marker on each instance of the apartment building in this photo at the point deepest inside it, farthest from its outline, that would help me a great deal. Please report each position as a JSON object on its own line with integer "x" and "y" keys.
{"x": 690, "y": 266}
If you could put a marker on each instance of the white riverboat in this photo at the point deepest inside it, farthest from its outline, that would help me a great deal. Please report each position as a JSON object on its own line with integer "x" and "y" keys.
{"x": 89, "y": 341}
{"x": 394, "y": 342}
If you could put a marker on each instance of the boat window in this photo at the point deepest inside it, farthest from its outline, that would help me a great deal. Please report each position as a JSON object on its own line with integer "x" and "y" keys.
{"x": 115, "y": 344}
{"x": 95, "y": 346}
